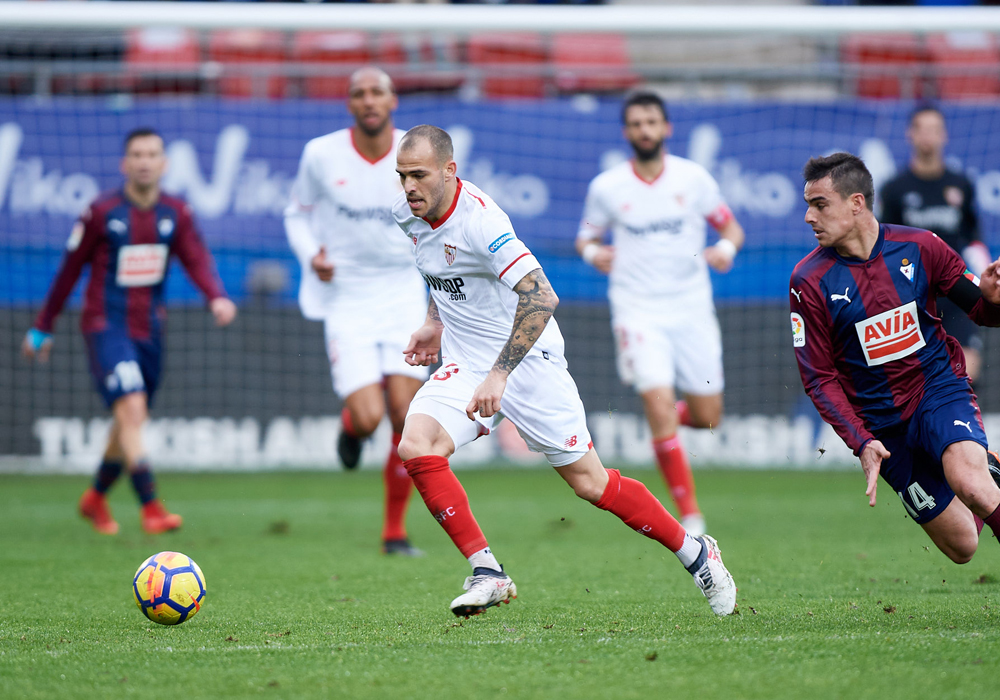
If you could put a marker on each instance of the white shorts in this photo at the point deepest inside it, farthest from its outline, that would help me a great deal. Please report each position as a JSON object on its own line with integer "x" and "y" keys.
{"x": 682, "y": 351}
{"x": 541, "y": 400}
{"x": 365, "y": 339}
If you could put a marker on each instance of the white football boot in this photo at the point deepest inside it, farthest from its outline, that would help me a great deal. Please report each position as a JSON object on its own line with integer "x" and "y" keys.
{"x": 694, "y": 525}
{"x": 713, "y": 579}
{"x": 486, "y": 588}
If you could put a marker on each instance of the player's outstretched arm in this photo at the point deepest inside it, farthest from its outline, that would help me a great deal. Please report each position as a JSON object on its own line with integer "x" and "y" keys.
{"x": 721, "y": 255}
{"x": 594, "y": 253}
{"x": 536, "y": 302}
{"x": 425, "y": 343}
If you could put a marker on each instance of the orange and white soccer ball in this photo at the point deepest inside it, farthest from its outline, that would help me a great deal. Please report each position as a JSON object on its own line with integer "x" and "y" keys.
{"x": 169, "y": 588}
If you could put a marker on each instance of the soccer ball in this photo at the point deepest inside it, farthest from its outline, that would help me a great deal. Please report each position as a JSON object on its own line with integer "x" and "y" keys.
{"x": 169, "y": 588}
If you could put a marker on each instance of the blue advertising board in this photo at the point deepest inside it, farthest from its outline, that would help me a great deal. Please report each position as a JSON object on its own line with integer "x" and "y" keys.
{"x": 235, "y": 160}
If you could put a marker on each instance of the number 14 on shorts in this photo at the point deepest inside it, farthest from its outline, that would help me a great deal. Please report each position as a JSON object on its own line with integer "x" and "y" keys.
{"x": 921, "y": 499}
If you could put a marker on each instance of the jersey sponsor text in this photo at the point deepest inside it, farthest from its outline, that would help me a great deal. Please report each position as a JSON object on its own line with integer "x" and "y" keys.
{"x": 891, "y": 335}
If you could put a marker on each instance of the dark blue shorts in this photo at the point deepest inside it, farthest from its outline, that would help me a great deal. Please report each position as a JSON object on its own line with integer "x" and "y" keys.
{"x": 121, "y": 365}
{"x": 914, "y": 470}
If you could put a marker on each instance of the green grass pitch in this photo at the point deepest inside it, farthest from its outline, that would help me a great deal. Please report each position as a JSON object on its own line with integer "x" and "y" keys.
{"x": 837, "y": 600}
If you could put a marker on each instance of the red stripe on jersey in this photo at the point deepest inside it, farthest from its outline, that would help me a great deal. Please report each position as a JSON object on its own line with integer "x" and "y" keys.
{"x": 655, "y": 179}
{"x": 478, "y": 199}
{"x": 522, "y": 255}
{"x": 451, "y": 210}
{"x": 358, "y": 150}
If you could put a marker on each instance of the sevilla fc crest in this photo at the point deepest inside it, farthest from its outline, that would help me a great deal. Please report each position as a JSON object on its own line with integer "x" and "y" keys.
{"x": 449, "y": 253}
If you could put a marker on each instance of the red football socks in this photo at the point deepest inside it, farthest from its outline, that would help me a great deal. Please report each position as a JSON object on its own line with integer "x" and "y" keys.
{"x": 398, "y": 486}
{"x": 676, "y": 472}
{"x": 979, "y": 524}
{"x": 683, "y": 412}
{"x": 631, "y": 501}
{"x": 447, "y": 501}
{"x": 347, "y": 425}
{"x": 993, "y": 520}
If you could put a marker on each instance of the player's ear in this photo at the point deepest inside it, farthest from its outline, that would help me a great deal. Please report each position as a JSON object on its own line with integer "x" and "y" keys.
{"x": 450, "y": 169}
{"x": 668, "y": 131}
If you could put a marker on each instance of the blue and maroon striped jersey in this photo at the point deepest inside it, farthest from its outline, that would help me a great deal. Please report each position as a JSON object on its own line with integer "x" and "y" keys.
{"x": 129, "y": 252}
{"x": 867, "y": 337}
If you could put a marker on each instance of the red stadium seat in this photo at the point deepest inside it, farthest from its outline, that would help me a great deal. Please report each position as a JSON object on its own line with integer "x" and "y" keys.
{"x": 420, "y": 62}
{"x": 162, "y": 59}
{"x": 592, "y": 63}
{"x": 889, "y": 65}
{"x": 495, "y": 54}
{"x": 341, "y": 51}
{"x": 248, "y": 46}
{"x": 966, "y": 64}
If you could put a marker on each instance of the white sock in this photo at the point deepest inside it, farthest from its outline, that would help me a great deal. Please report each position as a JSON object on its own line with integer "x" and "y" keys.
{"x": 689, "y": 551}
{"x": 484, "y": 558}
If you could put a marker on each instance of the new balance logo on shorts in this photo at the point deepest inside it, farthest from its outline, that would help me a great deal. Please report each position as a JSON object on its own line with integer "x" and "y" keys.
{"x": 571, "y": 442}
{"x": 451, "y": 286}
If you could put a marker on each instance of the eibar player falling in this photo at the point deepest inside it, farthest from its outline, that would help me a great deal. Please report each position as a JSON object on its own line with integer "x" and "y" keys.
{"x": 666, "y": 332}
{"x": 489, "y": 320}
{"x": 358, "y": 278}
{"x": 128, "y": 236}
{"x": 878, "y": 364}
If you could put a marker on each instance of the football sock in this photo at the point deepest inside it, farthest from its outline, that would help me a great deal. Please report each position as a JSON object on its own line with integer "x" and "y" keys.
{"x": 347, "y": 425}
{"x": 398, "y": 486}
{"x": 676, "y": 471}
{"x": 107, "y": 474}
{"x": 683, "y": 412}
{"x": 143, "y": 483}
{"x": 484, "y": 559}
{"x": 993, "y": 520}
{"x": 690, "y": 551}
{"x": 979, "y": 524}
{"x": 447, "y": 501}
{"x": 631, "y": 501}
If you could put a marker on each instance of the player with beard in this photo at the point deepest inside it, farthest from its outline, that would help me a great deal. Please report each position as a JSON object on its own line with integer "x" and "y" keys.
{"x": 358, "y": 277}
{"x": 666, "y": 332}
{"x": 929, "y": 195}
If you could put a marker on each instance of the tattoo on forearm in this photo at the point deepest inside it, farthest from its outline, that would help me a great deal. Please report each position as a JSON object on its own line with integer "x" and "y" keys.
{"x": 432, "y": 312}
{"x": 536, "y": 303}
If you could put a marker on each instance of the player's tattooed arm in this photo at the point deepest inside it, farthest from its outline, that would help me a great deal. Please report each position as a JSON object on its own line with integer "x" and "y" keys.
{"x": 433, "y": 315}
{"x": 424, "y": 347}
{"x": 536, "y": 302}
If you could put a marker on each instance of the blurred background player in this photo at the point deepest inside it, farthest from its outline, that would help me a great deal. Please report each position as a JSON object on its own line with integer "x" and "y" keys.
{"x": 128, "y": 236}
{"x": 877, "y": 363}
{"x": 666, "y": 332}
{"x": 358, "y": 277}
{"x": 489, "y": 321}
{"x": 928, "y": 195}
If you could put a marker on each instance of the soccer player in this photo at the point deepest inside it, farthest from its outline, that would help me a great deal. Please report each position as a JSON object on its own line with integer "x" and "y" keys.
{"x": 358, "y": 278}
{"x": 488, "y": 320}
{"x": 877, "y": 363}
{"x": 928, "y": 195}
{"x": 656, "y": 207}
{"x": 128, "y": 236}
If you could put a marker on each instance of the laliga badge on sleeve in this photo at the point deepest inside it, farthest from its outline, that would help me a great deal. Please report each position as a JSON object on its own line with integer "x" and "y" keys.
{"x": 798, "y": 331}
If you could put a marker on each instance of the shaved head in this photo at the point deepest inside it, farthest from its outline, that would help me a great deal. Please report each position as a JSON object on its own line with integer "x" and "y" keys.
{"x": 371, "y": 73}
{"x": 438, "y": 139}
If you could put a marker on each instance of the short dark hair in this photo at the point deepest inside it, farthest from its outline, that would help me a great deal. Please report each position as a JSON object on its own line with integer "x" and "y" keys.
{"x": 438, "y": 138}
{"x": 139, "y": 133}
{"x": 847, "y": 172}
{"x": 922, "y": 108}
{"x": 645, "y": 98}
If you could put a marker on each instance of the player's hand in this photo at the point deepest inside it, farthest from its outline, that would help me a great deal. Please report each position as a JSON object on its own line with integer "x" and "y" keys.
{"x": 486, "y": 398}
{"x": 871, "y": 462}
{"x": 223, "y": 309}
{"x": 604, "y": 259}
{"x": 37, "y": 345}
{"x": 718, "y": 258}
{"x": 321, "y": 266}
{"x": 989, "y": 282}
{"x": 424, "y": 346}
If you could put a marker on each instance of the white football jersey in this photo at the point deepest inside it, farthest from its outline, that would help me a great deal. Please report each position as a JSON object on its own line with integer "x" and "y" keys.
{"x": 471, "y": 259}
{"x": 343, "y": 202}
{"x": 658, "y": 230}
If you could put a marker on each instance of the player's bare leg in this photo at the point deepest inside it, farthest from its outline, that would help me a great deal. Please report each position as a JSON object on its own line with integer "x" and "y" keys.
{"x": 363, "y": 411}
{"x": 399, "y": 391}
{"x": 967, "y": 471}
{"x": 670, "y": 455}
{"x": 130, "y": 413}
{"x": 632, "y": 502}
{"x": 955, "y": 532}
{"x": 425, "y": 449}
{"x": 93, "y": 504}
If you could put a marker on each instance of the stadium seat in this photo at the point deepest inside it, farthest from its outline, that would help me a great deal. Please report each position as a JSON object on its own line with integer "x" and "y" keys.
{"x": 248, "y": 46}
{"x": 886, "y": 65}
{"x": 512, "y": 65}
{"x": 592, "y": 63}
{"x": 420, "y": 63}
{"x": 162, "y": 59}
{"x": 340, "y": 51}
{"x": 965, "y": 64}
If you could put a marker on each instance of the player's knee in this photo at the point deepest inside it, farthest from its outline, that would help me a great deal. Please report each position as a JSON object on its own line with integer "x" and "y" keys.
{"x": 411, "y": 447}
{"x": 960, "y": 552}
{"x": 130, "y": 411}
{"x": 365, "y": 422}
